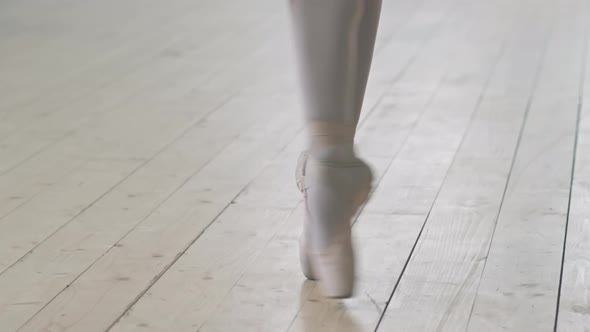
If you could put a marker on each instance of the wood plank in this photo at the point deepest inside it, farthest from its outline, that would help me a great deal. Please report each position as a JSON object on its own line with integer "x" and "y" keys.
{"x": 47, "y": 170}
{"x": 133, "y": 219}
{"x": 402, "y": 96}
{"x": 65, "y": 200}
{"x": 169, "y": 230}
{"x": 102, "y": 242}
{"x": 204, "y": 218}
{"x": 107, "y": 140}
{"x": 521, "y": 276}
{"x": 405, "y": 197}
{"x": 254, "y": 302}
{"x": 74, "y": 118}
{"x": 216, "y": 269}
{"x": 574, "y": 302}
{"x": 520, "y": 281}
{"x": 30, "y": 180}
{"x": 205, "y": 305}
{"x": 90, "y": 51}
{"x": 172, "y": 66}
{"x": 138, "y": 66}
{"x": 436, "y": 289}
{"x": 42, "y": 40}
{"x": 87, "y": 238}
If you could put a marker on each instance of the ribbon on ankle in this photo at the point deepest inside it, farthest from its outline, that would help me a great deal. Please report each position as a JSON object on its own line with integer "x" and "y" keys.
{"x": 329, "y": 133}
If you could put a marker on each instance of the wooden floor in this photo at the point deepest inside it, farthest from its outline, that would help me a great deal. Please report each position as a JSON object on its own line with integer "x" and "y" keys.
{"x": 147, "y": 151}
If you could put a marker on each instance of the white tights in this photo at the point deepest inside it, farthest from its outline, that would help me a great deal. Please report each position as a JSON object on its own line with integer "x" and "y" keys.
{"x": 335, "y": 41}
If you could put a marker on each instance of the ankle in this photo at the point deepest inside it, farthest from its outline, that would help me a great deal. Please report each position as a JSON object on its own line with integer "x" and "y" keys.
{"x": 331, "y": 141}
{"x": 333, "y": 153}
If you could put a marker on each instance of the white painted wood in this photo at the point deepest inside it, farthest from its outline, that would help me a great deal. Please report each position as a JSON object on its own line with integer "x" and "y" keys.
{"x": 47, "y": 127}
{"x": 520, "y": 282}
{"x": 426, "y": 298}
{"x": 574, "y": 305}
{"x": 69, "y": 197}
{"x": 90, "y": 50}
{"x": 172, "y": 255}
{"x": 439, "y": 284}
{"x": 392, "y": 229}
{"x": 107, "y": 139}
{"x": 212, "y": 185}
{"x": 203, "y": 306}
{"x": 113, "y": 161}
{"x": 54, "y": 280}
{"x": 169, "y": 230}
{"x": 518, "y": 289}
{"x": 35, "y": 175}
{"x": 406, "y": 196}
{"x": 265, "y": 297}
{"x": 75, "y": 118}
{"x": 47, "y": 170}
{"x": 421, "y": 65}
{"x": 205, "y": 277}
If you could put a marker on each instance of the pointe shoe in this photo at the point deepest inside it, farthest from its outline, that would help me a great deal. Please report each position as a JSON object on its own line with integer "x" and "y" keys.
{"x": 349, "y": 185}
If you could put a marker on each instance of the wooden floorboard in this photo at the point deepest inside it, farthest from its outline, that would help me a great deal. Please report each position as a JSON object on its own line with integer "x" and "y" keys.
{"x": 439, "y": 284}
{"x": 108, "y": 311}
{"x": 105, "y": 140}
{"x": 147, "y": 152}
{"x": 574, "y": 305}
{"x": 519, "y": 285}
{"x": 236, "y": 302}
